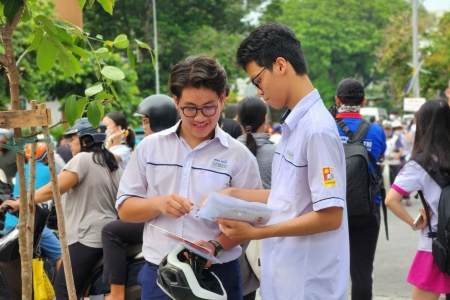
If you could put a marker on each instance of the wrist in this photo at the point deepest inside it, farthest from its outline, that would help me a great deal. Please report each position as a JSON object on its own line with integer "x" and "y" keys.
{"x": 218, "y": 249}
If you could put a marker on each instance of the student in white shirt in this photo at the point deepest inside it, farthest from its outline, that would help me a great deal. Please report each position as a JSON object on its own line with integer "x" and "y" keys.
{"x": 306, "y": 244}
{"x": 119, "y": 138}
{"x": 172, "y": 171}
{"x": 432, "y": 142}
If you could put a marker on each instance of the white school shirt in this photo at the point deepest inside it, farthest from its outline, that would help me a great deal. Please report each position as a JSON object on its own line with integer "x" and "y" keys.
{"x": 124, "y": 152}
{"x": 413, "y": 177}
{"x": 308, "y": 174}
{"x": 163, "y": 163}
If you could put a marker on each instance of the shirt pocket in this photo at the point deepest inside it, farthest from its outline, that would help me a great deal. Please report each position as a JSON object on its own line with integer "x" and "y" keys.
{"x": 215, "y": 181}
{"x": 286, "y": 182}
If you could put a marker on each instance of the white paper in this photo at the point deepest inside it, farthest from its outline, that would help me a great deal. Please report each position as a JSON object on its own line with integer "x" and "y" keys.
{"x": 197, "y": 249}
{"x": 222, "y": 206}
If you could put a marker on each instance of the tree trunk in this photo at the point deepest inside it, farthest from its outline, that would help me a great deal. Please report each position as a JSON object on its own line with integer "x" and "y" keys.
{"x": 59, "y": 212}
{"x": 9, "y": 62}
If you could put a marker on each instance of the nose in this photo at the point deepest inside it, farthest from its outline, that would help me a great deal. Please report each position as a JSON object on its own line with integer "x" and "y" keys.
{"x": 199, "y": 116}
{"x": 259, "y": 91}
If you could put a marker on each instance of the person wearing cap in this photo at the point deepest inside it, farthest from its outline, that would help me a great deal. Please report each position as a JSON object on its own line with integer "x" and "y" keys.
{"x": 88, "y": 185}
{"x": 305, "y": 252}
{"x": 50, "y": 245}
{"x": 363, "y": 229}
{"x": 7, "y": 157}
{"x": 172, "y": 171}
{"x": 158, "y": 113}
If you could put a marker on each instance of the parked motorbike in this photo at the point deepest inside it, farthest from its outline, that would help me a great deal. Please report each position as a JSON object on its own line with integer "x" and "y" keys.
{"x": 10, "y": 271}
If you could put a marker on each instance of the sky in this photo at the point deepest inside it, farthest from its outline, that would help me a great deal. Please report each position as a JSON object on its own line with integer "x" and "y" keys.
{"x": 437, "y": 4}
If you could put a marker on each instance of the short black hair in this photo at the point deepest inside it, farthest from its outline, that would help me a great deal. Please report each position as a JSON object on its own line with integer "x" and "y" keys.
{"x": 350, "y": 92}
{"x": 198, "y": 72}
{"x": 268, "y": 42}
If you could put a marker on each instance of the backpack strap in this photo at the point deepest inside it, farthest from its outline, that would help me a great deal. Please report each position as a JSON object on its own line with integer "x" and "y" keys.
{"x": 431, "y": 234}
{"x": 434, "y": 172}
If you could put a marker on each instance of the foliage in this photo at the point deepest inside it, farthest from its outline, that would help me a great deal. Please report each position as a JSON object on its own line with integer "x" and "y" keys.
{"x": 338, "y": 37}
{"x": 189, "y": 27}
{"x": 436, "y": 58}
{"x": 74, "y": 50}
{"x": 395, "y": 53}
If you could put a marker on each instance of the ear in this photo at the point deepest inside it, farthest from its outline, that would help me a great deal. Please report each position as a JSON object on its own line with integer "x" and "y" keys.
{"x": 281, "y": 64}
{"x": 363, "y": 103}
{"x": 337, "y": 100}
{"x": 447, "y": 93}
{"x": 176, "y": 100}
{"x": 223, "y": 99}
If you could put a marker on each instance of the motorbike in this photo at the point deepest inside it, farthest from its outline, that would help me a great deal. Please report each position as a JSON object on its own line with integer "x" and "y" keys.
{"x": 10, "y": 268}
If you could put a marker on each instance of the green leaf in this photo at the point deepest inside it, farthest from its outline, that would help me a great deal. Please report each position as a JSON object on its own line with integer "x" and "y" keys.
{"x": 131, "y": 58}
{"x": 97, "y": 71}
{"x": 89, "y": 4}
{"x": 66, "y": 62}
{"x": 102, "y": 52}
{"x": 93, "y": 90}
{"x": 63, "y": 36}
{"x": 121, "y": 41}
{"x": 46, "y": 55}
{"x": 37, "y": 40}
{"x": 25, "y": 15}
{"x": 46, "y": 23}
{"x": 113, "y": 90}
{"x": 70, "y": 108}
{"x": 79, "y": 52}
{"x": 81, "y": 106}
{"x": 103, "y": 96}
{"x": 112, "y": 73}
{"x": 11, "y": 7}
{"x": 142, "y": 44}
{"x": 81, "y": 3}
{"x": 75, "y": 63}
{"x": 99, "y": 36}
{"x": 107, "y": 5}
{"x": 94, "y": 113}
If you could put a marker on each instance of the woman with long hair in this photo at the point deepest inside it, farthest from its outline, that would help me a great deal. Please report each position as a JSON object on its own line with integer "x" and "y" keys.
{"x": 120, "y": 138}
{"x": 252, "y": 114}
{"x": 88, "y": 184}
{"x": 431, "y": 145}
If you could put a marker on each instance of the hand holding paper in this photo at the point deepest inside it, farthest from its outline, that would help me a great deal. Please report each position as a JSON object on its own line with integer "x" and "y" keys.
{"x": 226, "y": 207}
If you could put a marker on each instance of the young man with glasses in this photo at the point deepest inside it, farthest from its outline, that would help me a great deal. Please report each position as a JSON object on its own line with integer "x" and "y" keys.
{"x": 171, "y": 172}
{"x": 305, "y": 251}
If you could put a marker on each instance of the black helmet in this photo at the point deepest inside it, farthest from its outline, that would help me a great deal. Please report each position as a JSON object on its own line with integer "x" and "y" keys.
{"x": 180, "y": 280}
{"x": 161, "y": 111}
{"x": 82, "y": 127}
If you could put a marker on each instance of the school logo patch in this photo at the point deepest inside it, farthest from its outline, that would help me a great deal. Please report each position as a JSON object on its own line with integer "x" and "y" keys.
{"x": 329, "y": 176}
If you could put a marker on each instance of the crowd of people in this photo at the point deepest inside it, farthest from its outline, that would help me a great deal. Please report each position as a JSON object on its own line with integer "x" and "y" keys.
{"x": 114, "y": 192}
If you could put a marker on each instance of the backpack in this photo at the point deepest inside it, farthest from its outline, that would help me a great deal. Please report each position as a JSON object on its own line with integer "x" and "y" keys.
{"x": 441, "y": 237}
{"x": 362, "y": 183}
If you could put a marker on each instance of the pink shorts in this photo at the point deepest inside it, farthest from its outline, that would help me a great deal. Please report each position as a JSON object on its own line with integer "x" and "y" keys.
{"x": 425, "y": 275}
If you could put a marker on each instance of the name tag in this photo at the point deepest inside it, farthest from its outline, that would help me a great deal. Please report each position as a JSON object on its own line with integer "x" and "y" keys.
{"x": 220, "y": 164}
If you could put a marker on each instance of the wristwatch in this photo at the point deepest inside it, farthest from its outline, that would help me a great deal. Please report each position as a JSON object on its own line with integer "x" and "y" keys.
{"x": 219, "y": 250}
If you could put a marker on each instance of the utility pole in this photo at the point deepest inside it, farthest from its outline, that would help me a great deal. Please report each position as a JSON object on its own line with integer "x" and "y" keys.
{"x": 155, "y": 38}
{"x": 415, "y": 53}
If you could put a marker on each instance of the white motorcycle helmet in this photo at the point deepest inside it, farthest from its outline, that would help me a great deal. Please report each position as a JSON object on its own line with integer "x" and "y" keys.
{"x": 178, "y": 279}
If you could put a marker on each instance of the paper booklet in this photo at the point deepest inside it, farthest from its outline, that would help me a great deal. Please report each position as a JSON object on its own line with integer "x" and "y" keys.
{"x": 222, "y": 206}
{"x": 197, "y": 249}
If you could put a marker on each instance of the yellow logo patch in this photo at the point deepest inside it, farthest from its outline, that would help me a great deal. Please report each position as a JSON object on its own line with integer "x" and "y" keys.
{"x": 329, "y": 176}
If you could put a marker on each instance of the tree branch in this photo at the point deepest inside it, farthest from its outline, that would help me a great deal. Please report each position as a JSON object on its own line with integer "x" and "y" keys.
{"x": 20, "y": 58}
{"x": 50, "y": 127}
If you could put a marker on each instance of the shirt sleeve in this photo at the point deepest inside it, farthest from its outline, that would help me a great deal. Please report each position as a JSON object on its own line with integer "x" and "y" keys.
{"x": 80, "y": 164}
{"x": 248, "y": 176}
{"x": 122, "y": 151}
{"x": 408, "y": 179}
{"x": 134, "y": 179}
{"x": 326, "y": 170}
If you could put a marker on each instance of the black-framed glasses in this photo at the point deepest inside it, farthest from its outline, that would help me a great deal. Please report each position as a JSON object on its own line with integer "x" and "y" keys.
{"x": 254, "y": 78}
{"x": 207, "y": 111}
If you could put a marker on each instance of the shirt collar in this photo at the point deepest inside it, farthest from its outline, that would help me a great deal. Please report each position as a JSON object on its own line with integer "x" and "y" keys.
{"x": 291, "y": 118}
{"x": 217, "y": 134}
{"x": 349, "y": 115}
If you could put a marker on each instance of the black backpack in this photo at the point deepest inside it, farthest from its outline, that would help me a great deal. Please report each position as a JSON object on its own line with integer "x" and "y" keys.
{"x": 362, "y": 183}
{"x": 441, "y": 238}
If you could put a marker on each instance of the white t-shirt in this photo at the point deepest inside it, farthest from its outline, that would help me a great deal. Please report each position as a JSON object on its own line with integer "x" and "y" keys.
{"x": 124, "y": 152}
{"x": 413, "y": 178}
{"x": 308, "y": 174}
{"x": 163, "y": 163}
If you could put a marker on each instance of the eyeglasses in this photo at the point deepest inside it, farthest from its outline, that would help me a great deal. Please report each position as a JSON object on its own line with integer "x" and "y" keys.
{"x": 145, "y": 122}
{"x": 254, "y": 79}
{"x": 207, "y": 111}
